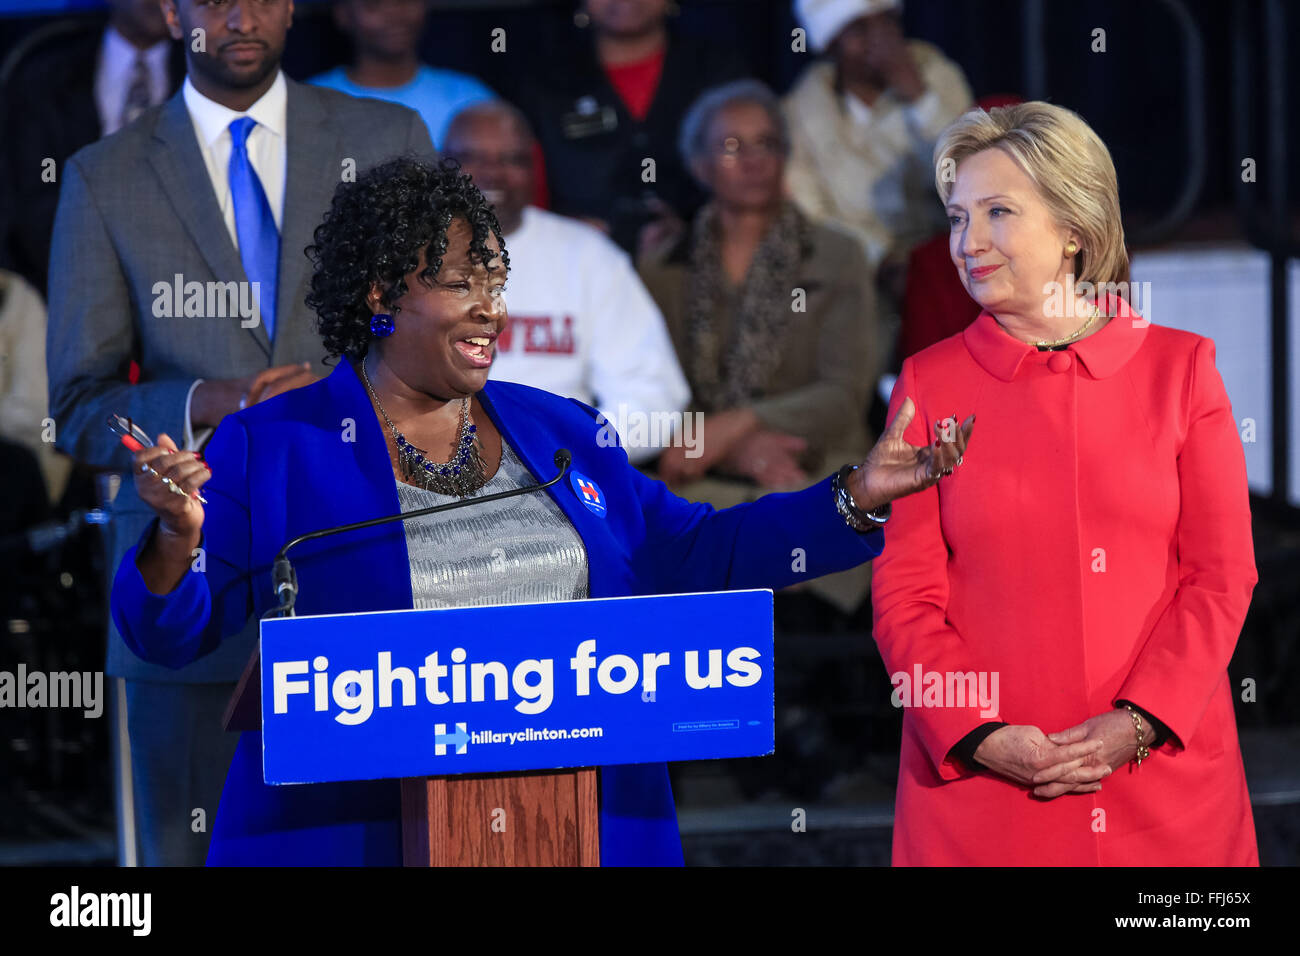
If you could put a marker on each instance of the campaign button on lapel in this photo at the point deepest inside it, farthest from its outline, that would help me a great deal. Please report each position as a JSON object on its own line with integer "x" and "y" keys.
{"x": 588, "y": 493}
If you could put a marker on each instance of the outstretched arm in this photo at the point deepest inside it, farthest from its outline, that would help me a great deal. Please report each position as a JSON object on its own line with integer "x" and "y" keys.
{"x": 784, "y": 538}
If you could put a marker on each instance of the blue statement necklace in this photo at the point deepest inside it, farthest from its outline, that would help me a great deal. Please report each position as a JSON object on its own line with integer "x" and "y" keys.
{"x": 460, "y": 477}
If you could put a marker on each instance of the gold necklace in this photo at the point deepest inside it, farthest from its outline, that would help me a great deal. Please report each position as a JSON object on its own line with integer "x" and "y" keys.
{"x": 1096, "y": 311}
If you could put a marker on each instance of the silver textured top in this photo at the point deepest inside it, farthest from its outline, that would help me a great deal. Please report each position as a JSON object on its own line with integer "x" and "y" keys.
{"x": 520, "y": 550}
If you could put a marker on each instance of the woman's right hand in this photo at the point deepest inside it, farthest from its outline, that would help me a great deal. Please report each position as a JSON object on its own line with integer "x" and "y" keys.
{"x": 166, "y": 557}
{"x": 1024, "y": 754}
{"x": 181, "y": 516}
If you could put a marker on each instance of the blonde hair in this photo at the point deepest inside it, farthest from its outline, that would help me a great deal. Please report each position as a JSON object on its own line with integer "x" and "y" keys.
{"x": 1067, "y": 162}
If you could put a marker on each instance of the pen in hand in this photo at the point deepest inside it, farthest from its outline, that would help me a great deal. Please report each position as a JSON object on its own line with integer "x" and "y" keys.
{"x": 134, "y": 438}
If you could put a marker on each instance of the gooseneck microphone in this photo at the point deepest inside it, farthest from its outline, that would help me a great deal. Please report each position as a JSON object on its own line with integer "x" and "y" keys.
{"x": 285, "y": 579}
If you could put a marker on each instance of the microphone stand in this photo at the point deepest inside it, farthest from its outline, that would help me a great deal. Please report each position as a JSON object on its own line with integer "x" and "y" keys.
{"x": 285, "y": 578}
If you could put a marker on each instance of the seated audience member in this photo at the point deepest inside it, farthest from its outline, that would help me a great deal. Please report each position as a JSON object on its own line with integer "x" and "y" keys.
{"x": 386, "y": 34}
{"x": 581, "y": 322}
{"x": 24, "y": 387}
{"x": 64, "y": 94}
{"x": 626, "y": 81}
{"x": 863, "y": 123}
{"x": 773, "y": 316}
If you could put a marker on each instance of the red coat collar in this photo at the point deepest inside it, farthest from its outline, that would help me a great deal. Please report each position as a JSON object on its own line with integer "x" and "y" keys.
{"x": 1103, "y": 353}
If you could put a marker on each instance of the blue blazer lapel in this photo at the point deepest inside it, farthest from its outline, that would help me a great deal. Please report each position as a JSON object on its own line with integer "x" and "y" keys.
{"x": 370, "y": 449}
{"x": 360, "y": 570}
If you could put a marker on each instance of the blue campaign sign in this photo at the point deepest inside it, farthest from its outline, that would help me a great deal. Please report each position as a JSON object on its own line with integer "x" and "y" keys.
{"x": 517, "y": 687}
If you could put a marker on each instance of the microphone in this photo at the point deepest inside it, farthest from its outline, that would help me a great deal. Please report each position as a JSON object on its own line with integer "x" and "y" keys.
{"x": 285, "y": 579}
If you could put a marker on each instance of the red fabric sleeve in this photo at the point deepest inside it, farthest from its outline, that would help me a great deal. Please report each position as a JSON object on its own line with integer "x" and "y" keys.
{"x": 1187, "y": 652}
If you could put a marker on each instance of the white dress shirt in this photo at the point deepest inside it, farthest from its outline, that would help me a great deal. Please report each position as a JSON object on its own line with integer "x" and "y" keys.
{"x": 113, "y": 73}
{"x": 267, "y": 153}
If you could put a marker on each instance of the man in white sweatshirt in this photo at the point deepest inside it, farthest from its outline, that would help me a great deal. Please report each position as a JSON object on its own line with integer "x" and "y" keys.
{"x": 582, "y": 324}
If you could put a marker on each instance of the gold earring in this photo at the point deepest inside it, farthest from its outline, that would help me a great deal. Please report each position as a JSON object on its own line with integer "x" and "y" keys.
{"x": 1071, "y": 249}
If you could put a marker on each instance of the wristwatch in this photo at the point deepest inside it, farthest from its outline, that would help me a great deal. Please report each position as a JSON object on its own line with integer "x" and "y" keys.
{"x": 855, "y": 517}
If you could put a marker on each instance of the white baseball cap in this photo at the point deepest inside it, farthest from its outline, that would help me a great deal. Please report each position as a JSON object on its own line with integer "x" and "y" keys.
{"x": 824, "y": 19}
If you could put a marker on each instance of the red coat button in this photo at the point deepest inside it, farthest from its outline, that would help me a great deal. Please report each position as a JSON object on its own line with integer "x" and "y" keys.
{"x": 1059, "y": 361}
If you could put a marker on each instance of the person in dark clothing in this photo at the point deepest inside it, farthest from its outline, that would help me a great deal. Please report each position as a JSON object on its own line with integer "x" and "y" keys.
{"x": 608, "y": 121}
{"x": 70, "y": 90}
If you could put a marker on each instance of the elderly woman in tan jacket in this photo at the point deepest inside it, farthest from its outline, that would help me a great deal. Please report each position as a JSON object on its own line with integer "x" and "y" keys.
{"x": 773, "y": 318}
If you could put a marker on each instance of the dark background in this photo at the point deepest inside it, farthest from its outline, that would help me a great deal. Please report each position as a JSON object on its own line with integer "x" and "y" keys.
{"x": 1163, "y": 88}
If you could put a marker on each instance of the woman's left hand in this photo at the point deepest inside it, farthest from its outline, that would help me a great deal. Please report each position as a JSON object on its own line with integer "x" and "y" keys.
{"x": 1114, "y": 729}
{"x": 895, "y": 468}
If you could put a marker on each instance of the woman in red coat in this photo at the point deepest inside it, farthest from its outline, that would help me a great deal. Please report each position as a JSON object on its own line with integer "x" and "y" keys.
{"x": 1058, "y": 616}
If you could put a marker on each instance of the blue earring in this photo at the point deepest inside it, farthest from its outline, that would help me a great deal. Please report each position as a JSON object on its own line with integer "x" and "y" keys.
{"x": 381, "y": 325}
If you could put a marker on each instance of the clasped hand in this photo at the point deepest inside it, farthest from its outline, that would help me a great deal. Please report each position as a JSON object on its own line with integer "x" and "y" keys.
{"x": 1074, "y": 760}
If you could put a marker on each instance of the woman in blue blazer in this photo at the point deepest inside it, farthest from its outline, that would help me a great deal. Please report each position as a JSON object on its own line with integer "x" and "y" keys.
{"x": 409, "y": 268}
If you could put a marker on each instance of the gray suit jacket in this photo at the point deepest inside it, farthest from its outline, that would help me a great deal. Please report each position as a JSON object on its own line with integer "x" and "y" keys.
{"x": 137, "y": 209}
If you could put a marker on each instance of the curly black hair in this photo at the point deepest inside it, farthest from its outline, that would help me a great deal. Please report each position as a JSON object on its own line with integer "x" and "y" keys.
{"x": 373, "y": 233}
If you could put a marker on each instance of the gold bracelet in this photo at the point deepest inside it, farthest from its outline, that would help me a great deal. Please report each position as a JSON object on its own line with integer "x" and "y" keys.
{"x": 1143, "y": 750}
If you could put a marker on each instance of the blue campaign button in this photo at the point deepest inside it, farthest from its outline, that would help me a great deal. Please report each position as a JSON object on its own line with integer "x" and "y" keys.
{"x": 588, "y": 493}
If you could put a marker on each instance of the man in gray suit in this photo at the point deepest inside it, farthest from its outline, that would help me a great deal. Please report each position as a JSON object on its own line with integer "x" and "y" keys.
{"x": 178, "y": 244}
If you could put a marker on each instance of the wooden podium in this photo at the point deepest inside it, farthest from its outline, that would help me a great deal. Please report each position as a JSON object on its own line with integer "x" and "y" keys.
{"x": 550, "y": 817}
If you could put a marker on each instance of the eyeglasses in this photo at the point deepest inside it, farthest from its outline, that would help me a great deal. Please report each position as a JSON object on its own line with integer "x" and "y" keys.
{"x": 764, "y": 147}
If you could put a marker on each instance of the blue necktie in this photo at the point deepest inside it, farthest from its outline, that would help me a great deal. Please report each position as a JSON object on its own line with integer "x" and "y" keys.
{"x": 259, "y": 240}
